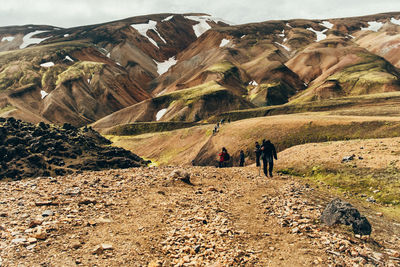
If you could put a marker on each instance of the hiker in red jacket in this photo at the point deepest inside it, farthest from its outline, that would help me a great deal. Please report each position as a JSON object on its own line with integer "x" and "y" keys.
{"x": 223, "y": 158}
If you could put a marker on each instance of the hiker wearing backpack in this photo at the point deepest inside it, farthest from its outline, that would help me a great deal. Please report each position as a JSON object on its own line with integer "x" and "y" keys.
{"x": 241, "y": 158}
{"x": 268, "y": 154}
{"x": 223, "y": 158}
{"x": 257, "y": 150}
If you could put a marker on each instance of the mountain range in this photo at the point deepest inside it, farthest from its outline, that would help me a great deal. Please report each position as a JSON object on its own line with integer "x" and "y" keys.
{"x": 190, "y": 67}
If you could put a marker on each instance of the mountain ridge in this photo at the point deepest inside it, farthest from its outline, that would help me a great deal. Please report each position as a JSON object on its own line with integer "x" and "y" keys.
{"x": 162, "y": 53}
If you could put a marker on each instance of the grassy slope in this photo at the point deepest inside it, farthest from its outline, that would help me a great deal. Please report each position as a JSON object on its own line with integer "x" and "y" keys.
{"x": 147, "y": 127}
{"x": 376, "y": 104}
{"x": 373, "y": 173}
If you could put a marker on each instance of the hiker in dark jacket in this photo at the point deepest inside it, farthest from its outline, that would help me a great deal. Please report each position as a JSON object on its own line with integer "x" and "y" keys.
{"x": 257, "y": 150}
{"x": 268, "y": 154}
{"x": 241, "y": 158}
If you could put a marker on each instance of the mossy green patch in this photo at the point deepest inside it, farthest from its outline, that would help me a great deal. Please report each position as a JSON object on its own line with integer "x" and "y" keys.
{"x": 221, "y": 67}
{"x": 313, "y": 106}
{"x": 50, "y": 76}
{"x": 311, "y": 133}
{"x": 190, "y": 95}
{"x": 37, "y": 53}
{"x": 18, "y": 74}
{"x": 6, "y": 109}
{"x": 79, "y": 70}
{"x": 368, "y": 76}
{"x": 147, "y": 127}
{"x": 381, "y": 186}
{"x": 371, "y": 75}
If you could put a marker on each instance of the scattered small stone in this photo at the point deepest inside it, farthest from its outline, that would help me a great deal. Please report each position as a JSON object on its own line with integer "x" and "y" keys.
{"x": 97, "y": 250}
{"x": 348, "y": 158}
{"x": 41, "y": 235}
{"x": 47, "y": 213}
{"x": 107, "y": 246}
{"x": 87, "y": 202}
{"x": 18, "y": 241}
{"x": 35, "y": 223}
{"x": 32, "y": 240}
{"x": 76, "y": 244}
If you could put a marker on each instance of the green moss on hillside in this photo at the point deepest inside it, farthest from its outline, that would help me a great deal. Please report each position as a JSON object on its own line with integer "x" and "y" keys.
{"x": 221, "y": 67}
{"x": 300, "y": 107}
{"x": 50, "y": 76}
{"x": 368, "y": 76}
{"x": 190, "y": 95}
{"x": 35, "y": 54}
{"x": 17, "y": 74}
{"x": 79, "y": 70}
{"x": 147, "y": 127}
{"x": 6, "y": 109}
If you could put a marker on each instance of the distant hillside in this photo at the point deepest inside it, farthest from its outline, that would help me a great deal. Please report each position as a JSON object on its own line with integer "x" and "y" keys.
{"x": 136, "y": 66}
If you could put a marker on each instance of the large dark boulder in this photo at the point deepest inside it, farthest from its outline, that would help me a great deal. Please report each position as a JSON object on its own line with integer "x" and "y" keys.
{"x": 28, "y": 150}
{"x": 340, "y": 212}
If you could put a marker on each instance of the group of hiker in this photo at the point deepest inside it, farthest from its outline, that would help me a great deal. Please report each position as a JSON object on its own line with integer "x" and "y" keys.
{"x": 220, "y": 123}
{"x": 265, "y": 152}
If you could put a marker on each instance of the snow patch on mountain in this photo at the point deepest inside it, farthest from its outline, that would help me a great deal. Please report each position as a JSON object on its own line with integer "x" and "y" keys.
{"x": 202, "y": 26}
{"x": 69, "y": 58}
{"x": 161, "y": 113}
{"x": 320, "y": 34}
{"x": 224, "y": 42}
{"x": 163, "y": 67}
{"x": 254, "y": 83}
{"x": 43, "y": 94}
{"x": 29, "y": 39}
{"x": 47, "y": 64}
{"x": 7, "y": 38}
{"x": 283, "y": 46}
{"x": 145, "y": 27}
{"x": 373, "y": 26}
{"x": 395, "y": 21}
{"x": 327, "y": 24}
{"x": 168, "y": 18}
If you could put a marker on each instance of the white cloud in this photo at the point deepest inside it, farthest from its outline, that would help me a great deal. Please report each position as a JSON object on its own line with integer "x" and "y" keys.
{"x": 68, "y": 13}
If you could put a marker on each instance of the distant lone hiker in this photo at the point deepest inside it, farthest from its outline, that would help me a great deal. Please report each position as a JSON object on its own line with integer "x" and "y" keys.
{"x": 241, "y": 158}
{"x": 223, "y": 158}
{"x": 257, "y": 150}
{"x": 268, "y": 154}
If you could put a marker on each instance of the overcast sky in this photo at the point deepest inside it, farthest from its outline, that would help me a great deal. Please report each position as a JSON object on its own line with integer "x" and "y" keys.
{"x": 69, "y": 13}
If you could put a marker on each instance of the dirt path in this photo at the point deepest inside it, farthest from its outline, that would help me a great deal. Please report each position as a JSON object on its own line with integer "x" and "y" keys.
{"x": 148, "y": 216}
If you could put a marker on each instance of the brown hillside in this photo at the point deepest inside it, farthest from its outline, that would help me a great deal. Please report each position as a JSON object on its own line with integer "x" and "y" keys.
{"x": 267, "y": 63}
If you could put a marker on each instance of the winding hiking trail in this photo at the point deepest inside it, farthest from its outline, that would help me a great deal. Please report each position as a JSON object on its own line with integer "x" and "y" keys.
{"x": 149, "y": 216}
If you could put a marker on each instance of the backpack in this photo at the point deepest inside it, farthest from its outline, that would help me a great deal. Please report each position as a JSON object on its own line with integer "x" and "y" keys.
{"x": 227, "y": 157}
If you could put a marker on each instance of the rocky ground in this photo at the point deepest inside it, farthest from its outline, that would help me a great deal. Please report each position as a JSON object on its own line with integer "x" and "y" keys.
{"x": 29, "y": 150}
{"x": 159, "y": 217}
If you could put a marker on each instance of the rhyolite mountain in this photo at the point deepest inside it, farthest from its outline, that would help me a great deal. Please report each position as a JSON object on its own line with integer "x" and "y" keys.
{"x": 188, "y": 67}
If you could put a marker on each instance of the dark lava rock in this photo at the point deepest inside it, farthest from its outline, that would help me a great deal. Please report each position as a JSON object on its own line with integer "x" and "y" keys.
{"x": 340, "y": 212}
{"x": 28, "y": 150}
